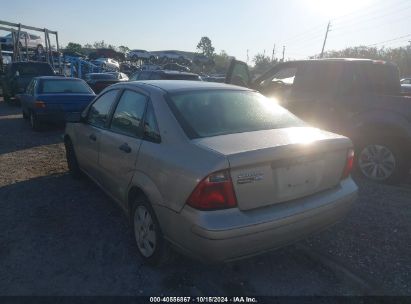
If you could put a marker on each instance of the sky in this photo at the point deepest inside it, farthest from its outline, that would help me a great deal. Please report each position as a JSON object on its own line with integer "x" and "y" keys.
{"x": 232, "y": 25}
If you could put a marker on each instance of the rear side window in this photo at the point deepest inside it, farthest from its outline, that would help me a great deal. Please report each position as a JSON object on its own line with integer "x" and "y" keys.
{"x": 100, "y": 109}
{"x": 218, "y": 112}
{"x": 370, "y": 78}
{"x": 129, "y": 113}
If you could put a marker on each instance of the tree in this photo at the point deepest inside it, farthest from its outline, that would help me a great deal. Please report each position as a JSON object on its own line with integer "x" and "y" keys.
{"x": 221, "y": 61}
{"x": 206, "y": 47}
{"x": 74, "y": 47}
{"x": 123, "y": 49}
{"x": 88, "y": 46}
{"x": 100, "y": 45}
{"x": 262, "y": 63}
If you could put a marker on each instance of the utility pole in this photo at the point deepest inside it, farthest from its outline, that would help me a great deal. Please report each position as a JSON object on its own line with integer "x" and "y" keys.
{"x": 248, "y": 58}
{"x": 325, "y": 38}
{"x": 273, "y": 55}
{"x": 282, "y": 60}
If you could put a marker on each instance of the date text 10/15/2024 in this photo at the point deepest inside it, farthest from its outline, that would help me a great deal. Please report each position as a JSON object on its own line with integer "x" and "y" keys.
{"x": 203, "y": 300}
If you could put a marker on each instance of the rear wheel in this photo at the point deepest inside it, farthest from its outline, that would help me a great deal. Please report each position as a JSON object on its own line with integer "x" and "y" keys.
{"x": 34, "y": 122}
{"x": 149, "y": 239}
{"x": 382, "y": 161}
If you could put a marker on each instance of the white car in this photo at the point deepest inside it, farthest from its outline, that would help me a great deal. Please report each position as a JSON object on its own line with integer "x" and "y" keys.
{"x": 33, "y": 41}
{"x": 108, "y": 63}
{"x": 140, "y": 54}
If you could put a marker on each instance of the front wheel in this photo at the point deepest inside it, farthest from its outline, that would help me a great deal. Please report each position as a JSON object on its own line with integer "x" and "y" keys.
{"x": 150, "y": 241}
{"x": 71, "y": 157}
{"x": 382, "y": 161}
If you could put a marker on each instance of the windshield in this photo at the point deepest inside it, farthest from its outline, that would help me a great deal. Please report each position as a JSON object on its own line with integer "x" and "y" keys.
{"x": 103, "y": 76}
{"x": 218, "y": 112}
{"x": 64, "y": 86}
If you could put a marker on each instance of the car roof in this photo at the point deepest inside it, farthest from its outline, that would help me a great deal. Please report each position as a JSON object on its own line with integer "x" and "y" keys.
{"x": 30, "y": 62}
{"x": 56, "y": 78}
{"x": 172, "y": 72}
{"x": 184, "y": 85}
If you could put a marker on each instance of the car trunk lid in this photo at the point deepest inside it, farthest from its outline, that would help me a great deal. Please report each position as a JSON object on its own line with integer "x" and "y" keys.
{"x": 274, "y": 166}
{"x": 66, "y": 102}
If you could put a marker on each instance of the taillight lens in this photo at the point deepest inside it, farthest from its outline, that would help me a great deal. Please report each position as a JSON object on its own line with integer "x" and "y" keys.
{"x": 349, "y": 164}
{"x": 214, "y": 192}
{"x": 39, "y": 104}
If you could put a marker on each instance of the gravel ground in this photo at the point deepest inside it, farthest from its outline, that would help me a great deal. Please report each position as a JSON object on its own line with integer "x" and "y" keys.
{"x": 60, "y": 236}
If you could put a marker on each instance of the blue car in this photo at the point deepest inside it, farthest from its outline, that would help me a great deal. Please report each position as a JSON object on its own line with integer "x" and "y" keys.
{"x": 51, "y": 99}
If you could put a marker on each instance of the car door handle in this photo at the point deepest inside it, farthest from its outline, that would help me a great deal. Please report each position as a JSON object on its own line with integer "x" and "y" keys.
{"x": 93, "y": 137}
{"x": 125, "y": 148}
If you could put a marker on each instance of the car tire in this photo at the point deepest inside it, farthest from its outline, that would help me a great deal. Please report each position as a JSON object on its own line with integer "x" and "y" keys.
{"x": 382, "y": 161}
{"x": 34, "y": 122}
{"x": 71, "y": 158}
{"x": 151, "y": 245}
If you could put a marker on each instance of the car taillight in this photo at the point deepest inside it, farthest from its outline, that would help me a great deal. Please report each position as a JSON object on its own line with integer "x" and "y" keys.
{"x": 214, "y": 192}
{"x": 39, "y": 104}
{"x": 349, "y": 164}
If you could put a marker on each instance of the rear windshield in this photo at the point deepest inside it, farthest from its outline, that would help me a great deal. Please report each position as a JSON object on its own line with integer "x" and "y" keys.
{"x": 180, "y": 77}
{"x": 34, "y": 69}
{"x": 219, "y": 112}
{"x": 64, "y": 86}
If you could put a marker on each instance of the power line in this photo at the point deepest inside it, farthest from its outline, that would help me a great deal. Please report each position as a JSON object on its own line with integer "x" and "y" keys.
{"x": 362, "y": 13}
{"x": 367, "y": 20}
{"x": 394, "y": 39}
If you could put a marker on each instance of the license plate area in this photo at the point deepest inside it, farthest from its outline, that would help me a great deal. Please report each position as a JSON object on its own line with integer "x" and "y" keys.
{"x": 297, "y": 177}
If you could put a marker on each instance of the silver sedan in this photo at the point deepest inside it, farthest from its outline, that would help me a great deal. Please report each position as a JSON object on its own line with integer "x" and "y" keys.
{"x": 218, "y": 172}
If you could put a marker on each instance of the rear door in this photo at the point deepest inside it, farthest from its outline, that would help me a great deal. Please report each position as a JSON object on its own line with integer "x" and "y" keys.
{"x": 120, "y": 143}
{"x": 88, "y": 134}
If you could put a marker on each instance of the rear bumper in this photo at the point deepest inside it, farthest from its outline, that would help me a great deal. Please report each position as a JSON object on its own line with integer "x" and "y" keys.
{"x": 221, "y": 236}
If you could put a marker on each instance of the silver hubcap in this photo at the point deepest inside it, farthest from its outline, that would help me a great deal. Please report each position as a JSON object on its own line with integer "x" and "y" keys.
{"x": 377, "y": 162}
{"x": 144, "y": 231}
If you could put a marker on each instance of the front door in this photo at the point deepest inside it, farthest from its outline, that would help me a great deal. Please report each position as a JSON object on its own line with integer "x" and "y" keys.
{"x": 88, "y": 134}
{"x": 120, "y": 143}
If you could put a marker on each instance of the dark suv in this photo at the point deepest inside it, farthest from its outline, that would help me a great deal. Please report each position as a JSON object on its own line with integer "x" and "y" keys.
{"x": 18, "y": 75}
{"x": 359, "y": 98}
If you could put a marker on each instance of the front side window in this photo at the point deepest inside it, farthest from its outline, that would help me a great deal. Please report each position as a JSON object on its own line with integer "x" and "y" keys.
{"x": 218, "y": 112}
{"x": 129, "y": 113}
{"x": 100, "y": 109}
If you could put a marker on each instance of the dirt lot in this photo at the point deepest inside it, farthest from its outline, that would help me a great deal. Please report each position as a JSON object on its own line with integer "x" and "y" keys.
{"x": 60, "y": 236}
